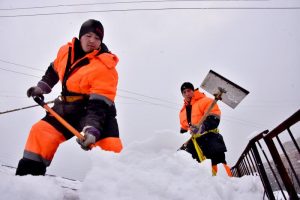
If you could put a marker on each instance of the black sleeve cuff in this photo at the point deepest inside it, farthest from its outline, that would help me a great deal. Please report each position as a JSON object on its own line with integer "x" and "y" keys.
{"x": 50, "y": 77}
{"x": 183, "y": 130}
{"x": 211, "y": 122}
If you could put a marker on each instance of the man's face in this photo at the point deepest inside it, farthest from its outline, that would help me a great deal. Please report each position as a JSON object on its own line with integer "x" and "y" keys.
{"x": 188, "y": 94}
{"x": 90, "y": 42}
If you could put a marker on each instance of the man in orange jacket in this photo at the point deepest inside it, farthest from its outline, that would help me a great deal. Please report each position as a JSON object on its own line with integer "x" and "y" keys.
{"x": 87, "y": 71}
{"x": 210, "y": 141}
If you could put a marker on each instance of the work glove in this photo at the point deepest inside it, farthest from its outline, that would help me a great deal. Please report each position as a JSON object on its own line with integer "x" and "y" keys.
{"x": 35, "y": 91}
{"x": 91, "y": 135}
{"x": 202, "y": 128}
{"x": 39, "y": 90}
{"x": 183, "y": 147}
{"x": 194, "y": 129}
{"x": 182, "y": 131}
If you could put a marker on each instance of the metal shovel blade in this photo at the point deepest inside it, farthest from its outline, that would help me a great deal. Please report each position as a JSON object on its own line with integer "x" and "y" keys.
{"x": 233, "y": 94}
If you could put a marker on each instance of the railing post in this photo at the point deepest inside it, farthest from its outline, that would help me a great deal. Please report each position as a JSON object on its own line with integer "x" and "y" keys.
{"x": 263, "y": 174}
{"x": 248, "y": 162}
{"x": 280, "y": 167}
{"x": 238, "y": 171}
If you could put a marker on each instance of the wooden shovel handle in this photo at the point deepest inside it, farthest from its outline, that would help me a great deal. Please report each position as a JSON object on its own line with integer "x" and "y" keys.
{"x": 206, "y": 113}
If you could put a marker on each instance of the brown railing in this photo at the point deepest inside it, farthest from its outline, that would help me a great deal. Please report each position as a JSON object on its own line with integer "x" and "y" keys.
{"x": 276, "y": 163}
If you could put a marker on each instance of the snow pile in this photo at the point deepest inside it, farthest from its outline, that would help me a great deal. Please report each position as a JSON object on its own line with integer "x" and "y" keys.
{"x": 151, "y": 169}
{"x": 29, "y": 187}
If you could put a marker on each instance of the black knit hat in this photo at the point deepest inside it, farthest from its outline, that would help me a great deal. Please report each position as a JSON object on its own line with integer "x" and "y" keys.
{"x": 186, "y": 85}
{"x": 94, "y": 26}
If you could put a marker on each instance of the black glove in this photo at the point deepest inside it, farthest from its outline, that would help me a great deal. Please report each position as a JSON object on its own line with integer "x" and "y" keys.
{"x": 183, "y": 147}
{"x": 35, "y": 91}
{"x": 194, "y": 129}
{"x": 182, "y": 131}
{"x": 91, "y": 135}
{"x": 39, "y": 90}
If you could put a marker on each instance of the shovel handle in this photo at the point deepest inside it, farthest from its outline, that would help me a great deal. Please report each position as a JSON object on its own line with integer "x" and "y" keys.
{"x": 218, "y": 97}
{"x": 64, "y": 122}
{"x": 207, "y": 113}
{"x": 40, "y": 101}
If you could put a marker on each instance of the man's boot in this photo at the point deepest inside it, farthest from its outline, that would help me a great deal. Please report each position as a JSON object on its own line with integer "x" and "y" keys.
{"x": 27, "y": 166}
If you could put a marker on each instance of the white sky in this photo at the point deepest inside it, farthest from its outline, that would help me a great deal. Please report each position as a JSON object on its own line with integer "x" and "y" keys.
{"x": 147, "y": 170}
{"x": 257, "y": 49}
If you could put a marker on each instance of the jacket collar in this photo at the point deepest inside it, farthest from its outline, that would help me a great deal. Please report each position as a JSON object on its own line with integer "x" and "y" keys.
{"x": 197, "y": 95}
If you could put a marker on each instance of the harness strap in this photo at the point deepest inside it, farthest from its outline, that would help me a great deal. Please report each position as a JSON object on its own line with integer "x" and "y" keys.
{"x": 199, "y": 151}
{"x": 71, "y": 99}
{"x": 216, "y": 130}
{"x": 70, "y": 68}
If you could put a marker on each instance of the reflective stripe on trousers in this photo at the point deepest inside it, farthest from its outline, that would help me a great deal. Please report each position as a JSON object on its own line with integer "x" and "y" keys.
{"x": 42, "y": 142}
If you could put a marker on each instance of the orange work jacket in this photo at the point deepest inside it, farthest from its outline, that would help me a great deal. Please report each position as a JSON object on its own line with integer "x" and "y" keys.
{"x": 98, "y": 77}
{"x": 200, "y": 104}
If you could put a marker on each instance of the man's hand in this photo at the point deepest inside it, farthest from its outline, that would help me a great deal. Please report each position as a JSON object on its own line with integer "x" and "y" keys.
{"x": 35, "y": 91}
{"x": 39, "y": 90}
{"x": 91, "y": 135}
{"x": 182, "y": 131}
{"x": 194, "y": 129}
{"x": 183, "y": 147}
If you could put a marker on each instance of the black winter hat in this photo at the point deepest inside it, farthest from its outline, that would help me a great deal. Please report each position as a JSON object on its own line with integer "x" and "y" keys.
{"x": 94, "y": 26}
{"x": 186, "y": 85}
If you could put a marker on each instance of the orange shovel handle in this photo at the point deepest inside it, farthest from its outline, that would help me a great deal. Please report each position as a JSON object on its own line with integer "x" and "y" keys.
{"x": 66, "y": 124}
{"x": 40, "y": 101}
{"x": 63, "y": 122}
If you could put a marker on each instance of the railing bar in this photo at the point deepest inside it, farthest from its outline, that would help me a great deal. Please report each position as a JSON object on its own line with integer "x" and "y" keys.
{"x": 263, "y": 175}
{"x": 240, "y": 167}
{"x": 280, "y": 167}
{"x": 257, "y": 170}
{"x": 288, "y": 159}
{"x": 293, "y": 139}
{"x": 238, "y": 170}
{"x": 251, "y": 159}
{"x": 287, "y": 123}
{"x": 243, "y": 170}
{"x": 272, "y": 170}
{"x": 250, "y": 144}
{"x": 246, "y": 167}
{"x": 247, "y": 159}
{"x": 233, "y": 172}
{"x": 255, "y": 161}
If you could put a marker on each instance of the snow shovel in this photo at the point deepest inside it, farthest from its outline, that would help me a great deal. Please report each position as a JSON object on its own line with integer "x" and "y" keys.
{"x": 40, "y": 101}
{"x": 224, "y": 90}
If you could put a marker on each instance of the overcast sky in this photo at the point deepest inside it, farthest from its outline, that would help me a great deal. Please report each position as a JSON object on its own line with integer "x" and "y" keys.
{"x": 257, "y": 49}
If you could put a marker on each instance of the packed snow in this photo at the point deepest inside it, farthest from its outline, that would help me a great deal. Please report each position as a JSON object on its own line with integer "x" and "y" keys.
{"x": 150, "y": 170}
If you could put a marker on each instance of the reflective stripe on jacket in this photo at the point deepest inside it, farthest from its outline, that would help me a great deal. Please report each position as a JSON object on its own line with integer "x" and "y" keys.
{"x": 200, "y": 103}
{"x": 97, "y": 76}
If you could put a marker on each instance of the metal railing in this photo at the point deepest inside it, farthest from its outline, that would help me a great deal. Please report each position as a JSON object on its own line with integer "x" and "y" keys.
{"x": 276, "y": 163}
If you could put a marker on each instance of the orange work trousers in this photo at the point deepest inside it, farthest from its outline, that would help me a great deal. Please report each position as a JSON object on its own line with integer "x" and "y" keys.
{"x": 44, "y": 139}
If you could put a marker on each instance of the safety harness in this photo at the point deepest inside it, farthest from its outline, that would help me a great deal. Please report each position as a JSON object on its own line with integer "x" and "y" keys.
{"x": 66, "y": 95}
{"x": 198, "y": 149}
